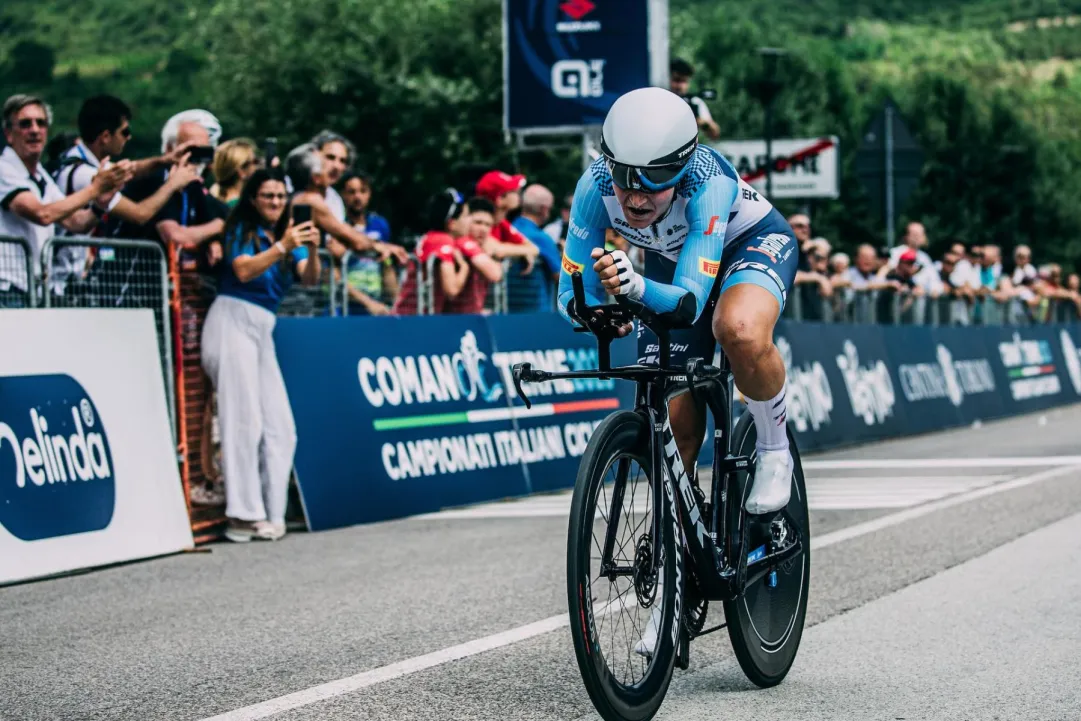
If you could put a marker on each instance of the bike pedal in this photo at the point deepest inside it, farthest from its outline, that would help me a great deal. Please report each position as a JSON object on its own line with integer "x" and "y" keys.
{"x": 734, "y": 463}
{"x": 683, "y": 653}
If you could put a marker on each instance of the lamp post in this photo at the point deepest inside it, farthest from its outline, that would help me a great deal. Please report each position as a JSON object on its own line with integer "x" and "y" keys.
{"x": 768, "y": 88}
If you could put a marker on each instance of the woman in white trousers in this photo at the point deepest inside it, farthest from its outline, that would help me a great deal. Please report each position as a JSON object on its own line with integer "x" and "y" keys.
{"x": 264, "y": 251}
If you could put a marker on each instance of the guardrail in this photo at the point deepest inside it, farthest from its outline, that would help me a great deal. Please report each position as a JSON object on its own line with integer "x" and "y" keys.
{"x": 17, "y": 276}
{"x": 889, "y": 307}
{"x": 319, "y": 299}
{"x": 84, "y": 272}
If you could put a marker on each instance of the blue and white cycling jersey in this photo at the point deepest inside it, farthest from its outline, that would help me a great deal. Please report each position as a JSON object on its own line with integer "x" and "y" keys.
{"x": 718, "y": 225}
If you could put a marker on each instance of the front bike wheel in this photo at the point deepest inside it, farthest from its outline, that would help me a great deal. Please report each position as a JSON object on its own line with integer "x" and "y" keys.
{"x": 765, "y": 624}
{"x": 610, "y": 608}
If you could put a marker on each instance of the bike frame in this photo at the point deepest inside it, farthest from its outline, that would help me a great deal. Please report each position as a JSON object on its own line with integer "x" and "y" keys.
{"x": 716, "y": 548}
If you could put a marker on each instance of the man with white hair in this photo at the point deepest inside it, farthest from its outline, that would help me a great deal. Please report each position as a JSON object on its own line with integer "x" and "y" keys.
{"x": 531, "y": 291}
{"x": 192, "y": 217}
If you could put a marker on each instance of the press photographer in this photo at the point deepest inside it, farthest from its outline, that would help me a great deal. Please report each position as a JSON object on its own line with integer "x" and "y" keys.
{"x": 679, "y": 82}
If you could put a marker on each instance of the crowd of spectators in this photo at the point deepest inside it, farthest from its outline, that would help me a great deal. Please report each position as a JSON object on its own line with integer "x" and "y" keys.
{"x": 257, "y": 223}
{"x": 888, "y": 284}
{"x": 184, "y": 198}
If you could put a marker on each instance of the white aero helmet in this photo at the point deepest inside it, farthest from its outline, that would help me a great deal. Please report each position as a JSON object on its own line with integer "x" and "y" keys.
{"x": 648, "y": 138}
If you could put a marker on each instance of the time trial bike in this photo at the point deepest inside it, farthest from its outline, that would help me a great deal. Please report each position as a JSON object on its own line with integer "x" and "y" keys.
{"x": 644, "y": 540}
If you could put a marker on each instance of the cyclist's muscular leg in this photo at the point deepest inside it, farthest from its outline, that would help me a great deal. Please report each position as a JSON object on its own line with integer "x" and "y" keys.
{"x": 743, "y": 323}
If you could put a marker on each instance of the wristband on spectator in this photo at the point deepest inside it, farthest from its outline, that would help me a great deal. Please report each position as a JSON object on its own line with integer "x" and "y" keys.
{"x": 281, "y": 247}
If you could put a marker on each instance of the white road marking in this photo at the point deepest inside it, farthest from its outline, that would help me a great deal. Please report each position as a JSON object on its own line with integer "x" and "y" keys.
{"x": 868, "y": 464}
{"x": 825, "y": 494}
{"x": 409, "y": 666}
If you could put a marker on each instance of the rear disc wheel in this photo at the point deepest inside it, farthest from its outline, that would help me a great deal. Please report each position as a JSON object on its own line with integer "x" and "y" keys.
{"x": 765, "y": 623}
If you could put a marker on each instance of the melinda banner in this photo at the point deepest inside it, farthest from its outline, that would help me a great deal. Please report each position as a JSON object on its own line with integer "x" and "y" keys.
{"x": 88, "y": 473}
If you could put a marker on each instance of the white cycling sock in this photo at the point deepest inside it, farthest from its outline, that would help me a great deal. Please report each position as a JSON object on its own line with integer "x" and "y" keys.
{"x": 770, "y": 419}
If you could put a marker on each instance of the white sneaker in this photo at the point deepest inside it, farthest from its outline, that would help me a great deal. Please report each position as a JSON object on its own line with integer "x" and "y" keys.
{"x": 648, "y": 642}
{"x": 239, "y": 534}
{"x": 267, "y": 531}
{"x": 772, "y": 482}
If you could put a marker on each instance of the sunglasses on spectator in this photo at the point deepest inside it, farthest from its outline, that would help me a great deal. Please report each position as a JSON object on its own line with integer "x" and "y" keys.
{"x": 27, "y": 123}
{"x": 801, "y": 225}
{"x": 271, "y": 196}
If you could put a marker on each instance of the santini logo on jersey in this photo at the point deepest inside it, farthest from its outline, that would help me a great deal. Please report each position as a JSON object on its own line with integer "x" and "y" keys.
{"x": 713, "y": 223}
{"x": 570, "y": 267}
{"x": 709, "y": 267}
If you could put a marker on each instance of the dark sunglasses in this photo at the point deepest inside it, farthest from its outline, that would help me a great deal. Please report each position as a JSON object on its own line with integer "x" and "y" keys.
{"x": 628, "y": 177}
{"x": 126, "y": 131}
{"x": 27, "y": 123}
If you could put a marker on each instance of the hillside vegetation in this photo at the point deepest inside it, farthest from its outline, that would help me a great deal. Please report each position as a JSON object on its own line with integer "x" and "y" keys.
{"x": 991, "y": 89}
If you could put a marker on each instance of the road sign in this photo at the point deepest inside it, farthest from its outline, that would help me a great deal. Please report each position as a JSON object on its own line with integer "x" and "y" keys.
{"x": 802, "y": 167}
{"x": 888, "y": 162}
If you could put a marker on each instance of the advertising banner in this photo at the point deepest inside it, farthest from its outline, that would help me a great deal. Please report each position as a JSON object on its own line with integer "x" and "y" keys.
{"x": 1030, "y": 367}
{"x": 944, "y": 376}
{"x": 1069, "y": 338}
{"x": 803, "y": 167}
{"x": 88, "y": 472}
{"x": 840, "y": 387}
{"x": 564, "y": 413}
{"x": 566, "y": 61}
{"x": 397, "y": 416}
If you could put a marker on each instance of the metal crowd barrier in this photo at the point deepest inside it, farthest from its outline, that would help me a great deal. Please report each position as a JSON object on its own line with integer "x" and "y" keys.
{"x": 382, "y": 294}
{"x": 502, "y": 297}
{"x": 314, "y": 300}
{"x": 17, "y": 273}
{"x": 888, "y": 307}
{"x": 84, "y": 272}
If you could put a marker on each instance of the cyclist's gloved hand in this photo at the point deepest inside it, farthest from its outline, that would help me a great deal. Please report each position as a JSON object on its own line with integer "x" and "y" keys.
{"x": 617, "y": 274}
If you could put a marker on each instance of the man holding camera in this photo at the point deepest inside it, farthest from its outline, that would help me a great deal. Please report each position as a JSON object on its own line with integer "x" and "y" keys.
{"x": 679, "y": 82}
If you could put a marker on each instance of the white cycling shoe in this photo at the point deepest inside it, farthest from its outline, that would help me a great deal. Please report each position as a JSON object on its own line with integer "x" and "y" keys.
{"x": 772, "y": 482}
{"x": 648, "y": 643}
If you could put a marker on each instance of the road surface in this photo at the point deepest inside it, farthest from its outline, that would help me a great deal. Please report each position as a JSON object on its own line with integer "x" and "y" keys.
{"x": 945, "y": 584}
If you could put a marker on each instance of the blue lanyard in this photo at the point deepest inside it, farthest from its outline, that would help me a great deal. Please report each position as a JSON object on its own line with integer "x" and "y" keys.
{"x": 184, "y": 208}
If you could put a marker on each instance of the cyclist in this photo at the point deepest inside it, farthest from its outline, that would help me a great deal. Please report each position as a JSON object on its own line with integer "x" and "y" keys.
{"x": 718, "y": 255}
